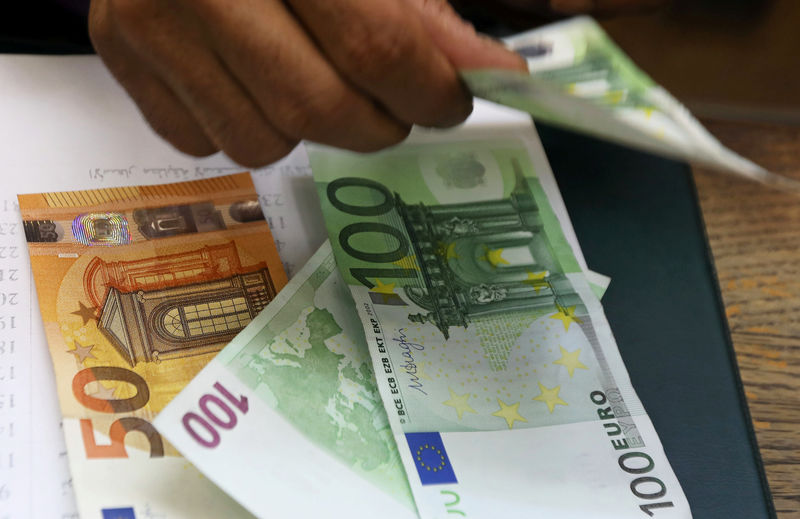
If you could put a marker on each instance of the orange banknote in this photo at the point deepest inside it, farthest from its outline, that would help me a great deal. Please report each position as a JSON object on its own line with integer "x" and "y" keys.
{"x": 139, "y": 287}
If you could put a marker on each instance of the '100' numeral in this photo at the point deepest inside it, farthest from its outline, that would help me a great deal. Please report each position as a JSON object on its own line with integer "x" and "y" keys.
{"x": 349, "y": 231}
{"x": 214, "y": 411}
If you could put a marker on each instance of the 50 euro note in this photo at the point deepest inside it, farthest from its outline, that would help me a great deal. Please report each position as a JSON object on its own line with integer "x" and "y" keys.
{"x": 580, "y": 79}
{"x": 139, "y": 287}
{"x": 503, "y": 385}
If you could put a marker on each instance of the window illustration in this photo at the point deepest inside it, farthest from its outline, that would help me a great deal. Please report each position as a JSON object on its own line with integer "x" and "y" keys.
{"x": 173, "y": 324}
{"x": 206, "y": 319}
{"x": 192, "y": 303}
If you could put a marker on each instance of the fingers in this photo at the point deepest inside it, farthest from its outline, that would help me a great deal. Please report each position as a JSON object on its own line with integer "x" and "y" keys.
{"x": 296, "y": 89}
{"x": 162, "y": 109}
{"x": 383, "y": 48}
{"x": 457, "y": 39}
{"x": 253, "y": 77}
{"x": 167, "y": 41}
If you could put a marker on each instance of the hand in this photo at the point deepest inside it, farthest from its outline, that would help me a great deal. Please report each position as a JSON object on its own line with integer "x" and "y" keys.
{"x": 253, "y": 77}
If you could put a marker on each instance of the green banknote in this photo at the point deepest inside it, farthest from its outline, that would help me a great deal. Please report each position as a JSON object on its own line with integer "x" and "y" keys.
{"x": 299, "y": 382}
{"x": 287, "y": 418}
{"x": 581, "y": 80}
{"x": 501, "y": 379}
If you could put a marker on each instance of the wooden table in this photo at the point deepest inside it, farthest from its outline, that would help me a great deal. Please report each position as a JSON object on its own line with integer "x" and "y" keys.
{"x": 754, "y": 232}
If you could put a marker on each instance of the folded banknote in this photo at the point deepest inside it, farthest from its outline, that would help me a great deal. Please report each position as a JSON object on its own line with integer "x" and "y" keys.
{"x": 578, "y": 78}
{"x": 503, "y": 385}
{"x": 287, "y": 418}
{"x": 528, "y": 412}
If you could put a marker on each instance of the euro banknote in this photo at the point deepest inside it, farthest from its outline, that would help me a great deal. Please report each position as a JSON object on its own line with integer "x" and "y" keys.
{"x": 139, "y": 287}
{"x": 299, "y": 382}
{"x": 502, "y": 383}
{"x": 287, "y": 418}
{"x": 304, "y": 370}
{"x": 581, "y": 80}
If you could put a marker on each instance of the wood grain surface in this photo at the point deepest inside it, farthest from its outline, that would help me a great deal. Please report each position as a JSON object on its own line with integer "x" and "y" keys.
{"x": 720, "y": 53}
{"x": 754, "y": 233}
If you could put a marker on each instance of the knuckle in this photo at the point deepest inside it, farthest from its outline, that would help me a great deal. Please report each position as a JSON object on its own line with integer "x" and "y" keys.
{"x": 295, "y": 116}
{"x": 182, "y": 133}
{"x": 311, "y": 112}
{"x": 370, "y": 50}
{"x": 333, "y": 115}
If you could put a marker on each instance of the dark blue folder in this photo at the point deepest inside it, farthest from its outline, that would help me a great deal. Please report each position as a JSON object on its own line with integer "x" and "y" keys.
{"x": 638, "y": 221}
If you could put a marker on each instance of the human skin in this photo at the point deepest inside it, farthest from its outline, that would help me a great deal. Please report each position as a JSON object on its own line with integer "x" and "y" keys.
{"x": 254, "y": 77}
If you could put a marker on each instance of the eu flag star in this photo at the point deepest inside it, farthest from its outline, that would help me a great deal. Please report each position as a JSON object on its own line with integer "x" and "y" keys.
{"x": 446, "y": 250}
{"x": 494, "y": 257}
{"x": 569, "y": 359}
{"x": 87, "y": 313}
{"x": 536, "y": 280}
{"x": 383, "y": 288}
{"x": 103, "y": 392}
{"x": 566, "y": 316}
{"x": 509, "y": 413}
{"x": 82, "y": 352}
{"x": 408, "y": 262}
{"x": 550, "y": 397}
{"x": 460, "y": 403}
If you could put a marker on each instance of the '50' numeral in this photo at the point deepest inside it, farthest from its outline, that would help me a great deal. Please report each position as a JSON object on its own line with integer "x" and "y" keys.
{"x": 218, "y": 412}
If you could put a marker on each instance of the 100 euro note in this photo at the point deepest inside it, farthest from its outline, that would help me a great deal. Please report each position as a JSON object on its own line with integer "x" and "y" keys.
{"x": 581, "y": 80}
{"x": 139, "y": 287}
{"x": 304, "y": 370}
{"x": 503, "y": 385}
{"x": 304, "y": 432}
{"x": 287, "y": 418}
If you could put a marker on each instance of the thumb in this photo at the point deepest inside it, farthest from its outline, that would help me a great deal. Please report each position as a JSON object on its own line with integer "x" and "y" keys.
{"x": 458, "y": 40}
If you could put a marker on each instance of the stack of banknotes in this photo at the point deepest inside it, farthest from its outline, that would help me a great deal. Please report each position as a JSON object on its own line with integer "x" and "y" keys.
{"x": 444, "y": 354}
